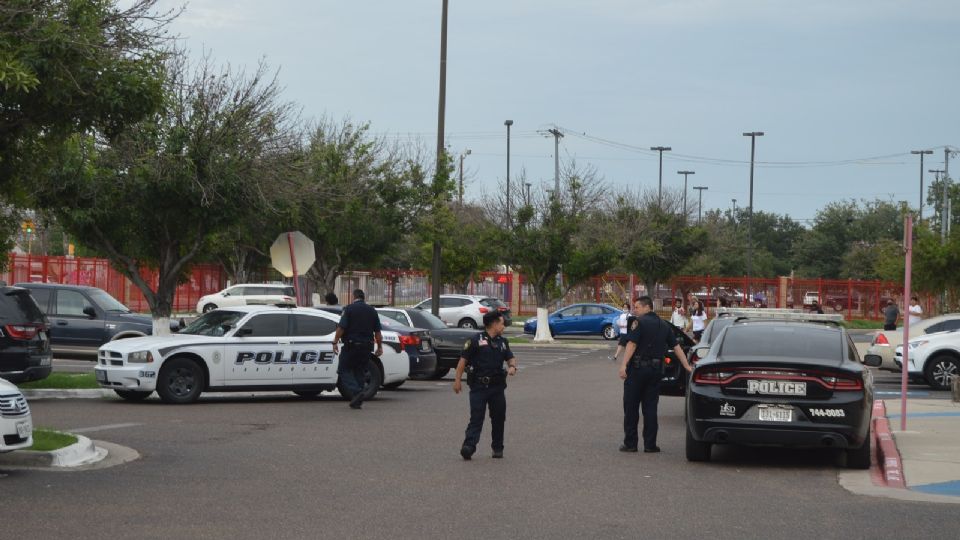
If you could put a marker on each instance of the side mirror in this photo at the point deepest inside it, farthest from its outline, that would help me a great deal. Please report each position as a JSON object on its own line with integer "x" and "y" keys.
{"x": 872, "y": 360}
{"x": 559, "y": 315}
{"x": 90, "y": 312}
{"x": 226, "y": 294}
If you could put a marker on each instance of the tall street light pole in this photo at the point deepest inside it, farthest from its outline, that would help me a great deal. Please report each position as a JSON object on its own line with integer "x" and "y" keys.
{"x": 734, "y": 214}
{"x": 441, "y": 160}
{"x": 508, "y": 123}
{"x": 660, "y": 149}
{"x": 527, "y": 185}
{"x": 685, "y": 175}
{"x": 464, "y": 154}
{"x": 753, "y": 149}
{"x": 700, "y": 203}
{"x": 557, "y": 135}
{"x": 943, "y": 204}
{"x": 921, "y": 153}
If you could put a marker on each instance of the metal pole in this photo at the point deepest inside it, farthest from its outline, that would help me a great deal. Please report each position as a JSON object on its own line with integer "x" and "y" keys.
{"x": 441, "y": 161}
{"x": 527, "y": 185}
{"x": 753, "y": 149}
{"x": 700, "y": 202}
{"x": 685, "y": 175}
{"x": 943, "y": 204}
{"x": 508, "y": 123}
{"x": 921, "y": 153}
{"x": 293, "y": 266}
{"x": 660, "y": 149}
{"x": 556, "y": 160}
{"x": 908, "y": 246}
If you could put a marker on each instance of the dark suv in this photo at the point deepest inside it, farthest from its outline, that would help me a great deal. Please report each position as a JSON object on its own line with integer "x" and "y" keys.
{"x": 24, "y": 345}
{"x": 84, "y": 318}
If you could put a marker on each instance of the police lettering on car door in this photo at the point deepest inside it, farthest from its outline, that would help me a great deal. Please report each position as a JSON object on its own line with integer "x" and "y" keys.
{"x": 282, "y": 357}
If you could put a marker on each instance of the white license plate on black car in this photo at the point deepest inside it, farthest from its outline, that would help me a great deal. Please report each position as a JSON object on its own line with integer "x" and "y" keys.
{"x": 101, "y": 375}
{"x": 775, "y": 413}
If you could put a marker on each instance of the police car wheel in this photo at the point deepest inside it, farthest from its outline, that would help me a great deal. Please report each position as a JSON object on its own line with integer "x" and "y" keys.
{"x": 373, "y": 379}
{"x": 468, "y": 323}
{"x": 180, "y": 381}
{"x": 307, "y": 394}
{"x": 697, "y": 450}
{"x": 859, "y": 458}
{"x": 608, "y": 332}
{"x": 394, "y": 385}
{"x": 133, "y": 395}
{"x": 209, "y": 307}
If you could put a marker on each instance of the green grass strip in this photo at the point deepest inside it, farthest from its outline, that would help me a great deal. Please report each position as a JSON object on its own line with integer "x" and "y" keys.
{"x": 64, "y": 381}
{"x": 46, "y": 440}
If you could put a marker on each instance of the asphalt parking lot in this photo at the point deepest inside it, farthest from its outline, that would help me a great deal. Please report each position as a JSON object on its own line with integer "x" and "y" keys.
{"x": 273, "y": 465}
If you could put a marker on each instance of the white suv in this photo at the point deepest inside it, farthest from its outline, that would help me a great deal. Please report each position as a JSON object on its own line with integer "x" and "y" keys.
{"x": 248, "y": 295}
{"x": 16, "y": 425}
{"x": 467, "y": 311}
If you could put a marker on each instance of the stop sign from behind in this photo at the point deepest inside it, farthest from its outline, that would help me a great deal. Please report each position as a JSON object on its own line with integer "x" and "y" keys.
{"x": 303, "y": 253}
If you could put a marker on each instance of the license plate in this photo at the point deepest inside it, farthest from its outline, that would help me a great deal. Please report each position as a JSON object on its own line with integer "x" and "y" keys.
{"x": 23, "y": 429}
{"x": 45, "y": 361}
{"x": 101, "y": 375}
{"x": 776, "y": 414}
{"x": 43, "y": 336}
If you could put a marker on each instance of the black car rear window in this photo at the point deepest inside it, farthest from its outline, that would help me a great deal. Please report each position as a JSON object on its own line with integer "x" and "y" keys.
{"x": 426, "y": 320}
{"x": 17, "y": 306}
{"x": 782, "y": 341}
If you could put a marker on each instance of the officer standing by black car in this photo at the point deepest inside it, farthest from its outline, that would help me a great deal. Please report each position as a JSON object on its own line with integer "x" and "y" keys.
{"x": 484, "y": 355}
{"x": 359, "y": 327}
{"x": 642, "y": 370}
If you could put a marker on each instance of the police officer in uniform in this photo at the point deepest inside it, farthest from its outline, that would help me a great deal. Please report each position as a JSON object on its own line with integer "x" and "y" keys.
{"x": 359, "y": 327}
{"x": 642, "y": 370}
{"x": 483, "y": 357}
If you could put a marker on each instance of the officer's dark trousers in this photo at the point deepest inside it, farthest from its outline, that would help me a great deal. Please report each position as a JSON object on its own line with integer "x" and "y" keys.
{"x": 641, "y": 390}
{"x": 481, "y": 397}
{"x": 352, "y": 367}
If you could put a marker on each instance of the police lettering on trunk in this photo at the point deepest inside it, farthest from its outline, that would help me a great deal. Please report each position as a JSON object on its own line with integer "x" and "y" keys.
{"x": 279, "y": 357}
{"x": 777, "y": 388}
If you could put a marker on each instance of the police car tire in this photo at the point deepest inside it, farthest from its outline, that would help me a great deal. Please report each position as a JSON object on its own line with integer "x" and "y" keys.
{"x": 467, "y": 323}
{"x": 307, "y": 394}
{"x": 859, "y": 458}
{"x": 209, "y": 307}
{"x": 184, "y": 368}
{"x": 608, "y": 332}
{"x": 697, "y": 450}
{"x": 394, "y": 385}
{"x": 133, "y": 395}
{"x": 372, "y": 387}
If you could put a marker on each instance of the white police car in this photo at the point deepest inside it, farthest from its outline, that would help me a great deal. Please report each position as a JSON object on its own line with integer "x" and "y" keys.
{"x": 244, "y": 348}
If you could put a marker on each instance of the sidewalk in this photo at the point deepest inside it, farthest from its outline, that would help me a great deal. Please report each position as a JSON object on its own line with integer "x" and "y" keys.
{"x": 930, "y": 447}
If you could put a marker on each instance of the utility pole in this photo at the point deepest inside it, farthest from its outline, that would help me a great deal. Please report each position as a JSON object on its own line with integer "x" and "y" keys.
{"x": 943, "y": 204}
{"x": 660, "y": 149}
{"x": 685, "y": 175}
{"x": 700, "y": 203}
{"x": 734, "y": 213}
{"x": 946, "y": 182}
{"x": 527, "y": 185}
{"x": 465, "y": 153}
{"x": 556, "y": 160}
{"x": 921, "y": 153}
{"x": 508, "y": 123}
{"x": 441, "y": 160}
{"x": 753, "y": 149}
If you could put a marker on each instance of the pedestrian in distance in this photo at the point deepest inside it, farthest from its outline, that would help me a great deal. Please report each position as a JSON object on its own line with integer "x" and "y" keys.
{"x": 622, "y": 342}
{"x": 331, "y": 299}
{"x": 816, "y": 308}
{"x": 359, "y": 328}
{"x": 698, "y": 319}
{"x": 679, "y": 318}
{"x": 622, "y": 319}
{"x": 916, "y": 312}
{"x": 890, "y": 315}
{"x": 483, "y": 358}
{"x": 641, "y": 372}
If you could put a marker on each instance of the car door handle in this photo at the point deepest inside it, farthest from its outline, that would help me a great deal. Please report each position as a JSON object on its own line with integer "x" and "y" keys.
{"x": 61, "y": 323}
{"x": 283, "y": 342}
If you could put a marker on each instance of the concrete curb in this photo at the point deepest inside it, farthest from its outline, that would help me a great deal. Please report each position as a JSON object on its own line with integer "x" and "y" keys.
{"x": 82, "y": 453}
{"x": 889, "y": 462}
{"x": 65, "y": 393}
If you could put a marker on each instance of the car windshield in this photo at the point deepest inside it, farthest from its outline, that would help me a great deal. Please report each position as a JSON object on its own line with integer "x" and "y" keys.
{"x": 215, "y": 323}
{"x": 425, "y": 319}
{"x": 107, "y": 302}
{"x": 782, "y": 341}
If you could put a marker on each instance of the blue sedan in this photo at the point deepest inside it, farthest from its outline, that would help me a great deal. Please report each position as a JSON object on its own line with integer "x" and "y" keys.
{"x": 580, "y": 319}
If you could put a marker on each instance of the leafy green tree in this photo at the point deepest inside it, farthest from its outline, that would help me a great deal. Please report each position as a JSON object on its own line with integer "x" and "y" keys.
{"x": 69, "y": 66}
{"x": 547, "y": 239}
{"x": 153, "y": 197}
{"x": 467, "y": 247}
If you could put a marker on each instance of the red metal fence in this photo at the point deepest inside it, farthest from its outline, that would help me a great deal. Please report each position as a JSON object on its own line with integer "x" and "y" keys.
{"x": 203, "y": 279}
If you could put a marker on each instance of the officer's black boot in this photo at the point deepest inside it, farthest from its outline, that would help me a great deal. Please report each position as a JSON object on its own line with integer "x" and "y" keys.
{"x": 357, "y": 401}
{"x": 498, "y": 453}
{"x": 467, "y": 451}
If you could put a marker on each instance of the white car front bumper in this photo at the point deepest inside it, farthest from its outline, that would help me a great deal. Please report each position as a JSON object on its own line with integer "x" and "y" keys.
{"x": 140, "y": 377}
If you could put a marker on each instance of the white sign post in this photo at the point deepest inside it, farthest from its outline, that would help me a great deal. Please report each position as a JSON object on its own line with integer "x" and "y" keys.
{"x": 292, "y": 251}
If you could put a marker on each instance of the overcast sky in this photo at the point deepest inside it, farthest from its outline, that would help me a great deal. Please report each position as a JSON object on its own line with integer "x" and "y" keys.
{"x": 827, "y": 81}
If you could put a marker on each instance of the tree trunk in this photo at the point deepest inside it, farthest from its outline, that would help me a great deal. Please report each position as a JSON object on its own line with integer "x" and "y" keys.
{"x": 543, "y": 321}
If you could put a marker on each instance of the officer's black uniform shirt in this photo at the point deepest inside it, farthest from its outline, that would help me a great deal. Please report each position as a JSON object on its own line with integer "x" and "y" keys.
{"x": 359, "y": 322}
{"x": 652, "y": 336}
{"x": 487, "y": 354}
{"x": 631, "y": 324}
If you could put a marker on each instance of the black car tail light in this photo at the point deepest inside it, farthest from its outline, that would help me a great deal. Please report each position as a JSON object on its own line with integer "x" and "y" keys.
{"x": 713, "y": 376}
{"x": 23, "y": 332}
{"x": 830, "y": 381}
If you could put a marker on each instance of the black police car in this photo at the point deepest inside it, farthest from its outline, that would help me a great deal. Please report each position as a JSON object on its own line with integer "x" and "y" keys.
{"x": 781, "y": 383}
{"x": 24, "y": 341}
{"x": 674, "y": 382}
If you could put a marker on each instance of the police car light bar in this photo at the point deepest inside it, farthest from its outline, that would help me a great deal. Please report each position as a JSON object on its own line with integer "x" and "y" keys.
{"x": 779, "y": 315}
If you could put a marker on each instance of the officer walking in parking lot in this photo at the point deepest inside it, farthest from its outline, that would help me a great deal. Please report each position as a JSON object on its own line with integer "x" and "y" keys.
{"x": 483, "y": 357}
{"x": 641, "y": 371}
{"x": 359, "y": 327}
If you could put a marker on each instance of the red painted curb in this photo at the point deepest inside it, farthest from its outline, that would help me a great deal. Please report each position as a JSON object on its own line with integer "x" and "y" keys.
{"x": 887, "y": 469}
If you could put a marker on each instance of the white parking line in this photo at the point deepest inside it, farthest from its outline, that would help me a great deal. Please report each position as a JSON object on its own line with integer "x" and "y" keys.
{"x": 102, "y": 428}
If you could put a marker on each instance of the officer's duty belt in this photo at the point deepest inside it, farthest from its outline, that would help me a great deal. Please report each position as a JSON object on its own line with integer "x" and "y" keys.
{"x": 646, "y": 362}
{"x": 489, "y": 379}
